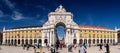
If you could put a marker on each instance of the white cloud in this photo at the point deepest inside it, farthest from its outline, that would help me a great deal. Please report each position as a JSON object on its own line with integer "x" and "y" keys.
{"x": 42, "y": 21}
{"x": 9, "y": 4}
{"x": 17, "y": 15}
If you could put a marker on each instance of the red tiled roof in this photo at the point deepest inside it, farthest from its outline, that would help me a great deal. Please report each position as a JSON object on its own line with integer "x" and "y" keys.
{"x": 97, "y": 27}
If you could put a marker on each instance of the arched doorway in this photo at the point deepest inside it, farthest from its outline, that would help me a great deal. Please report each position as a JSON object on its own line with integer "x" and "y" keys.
{"x": 60, "y": 32}
{"x": 12, "y": 42}
{"x": 110, "y": 40}
{"x": 39, "y": 41}
{"x": 18, "y": 41}
{"x": 104, "y": 40}
{"x": 22, "y": 41}
{"x": 26, "y": 41}
{"x": 35, "y": 40}
{"x": 85, "y": 41}
{"x": 80, "y": 41}
{"x": 101, "y": 41}
{"x": 113, "y": 41}
{"x": 93, "y": 41}
{"x": 97, "y": 41}
{"x": 46, "y": 41}
{"x": 107, "y": 40}
{"x": 74, "y": 41}
{"x": 89, "y": 41}
{"x": 31, "y": 41}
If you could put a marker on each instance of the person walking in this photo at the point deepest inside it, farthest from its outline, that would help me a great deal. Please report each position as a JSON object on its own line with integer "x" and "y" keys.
{"x": 81, "y": 49}
{"x": 40, "y": 47}
{"x": 85, "y": 46}
{"x": 34, "y": 48}
{"x": 52, "y": 49}
{"x": 100, "y": 47}
{"x": 107, "y": 48}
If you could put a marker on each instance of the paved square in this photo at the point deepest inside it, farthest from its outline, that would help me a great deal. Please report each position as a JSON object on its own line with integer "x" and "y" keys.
{"x": 13, "y": 49}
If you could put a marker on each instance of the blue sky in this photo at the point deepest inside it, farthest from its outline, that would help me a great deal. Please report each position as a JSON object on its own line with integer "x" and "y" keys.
{"x": 18, "y": 13}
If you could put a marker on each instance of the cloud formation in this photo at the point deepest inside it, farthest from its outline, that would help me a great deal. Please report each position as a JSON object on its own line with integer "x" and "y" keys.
{"x": 15, "y": 14}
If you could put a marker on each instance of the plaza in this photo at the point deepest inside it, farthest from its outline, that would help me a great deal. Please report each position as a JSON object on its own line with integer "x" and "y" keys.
{"x": 47, "y": 34}
{"x": 93, "y": 49}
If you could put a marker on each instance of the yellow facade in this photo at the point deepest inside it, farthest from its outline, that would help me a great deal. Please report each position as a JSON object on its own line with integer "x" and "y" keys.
{"x": 96, "y": 34}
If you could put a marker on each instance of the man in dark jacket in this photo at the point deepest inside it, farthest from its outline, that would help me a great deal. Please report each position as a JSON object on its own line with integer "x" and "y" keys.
{"x": 107, "y": 48}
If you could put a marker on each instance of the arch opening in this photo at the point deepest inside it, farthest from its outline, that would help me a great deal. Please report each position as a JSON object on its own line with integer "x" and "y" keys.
{"x": 60, "y": 32}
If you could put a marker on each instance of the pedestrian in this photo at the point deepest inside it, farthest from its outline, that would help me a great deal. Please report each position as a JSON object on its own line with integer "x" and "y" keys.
{"x": 52, "y": 49}
{"x": 101, "y": 47}
{"x": 85, "y": 46}
{"x": 34, "y": 49}
{"x": 56, "y": 45}
{"x": 107, "y": 48}
{"x": 23, "y": 46}
{"x": 48, "y": 47}
{"x": 40, "y": 47}
{"x": 60, "y": 46}
{"x": 27, "y": 46}
{"x": 81, "y": 49}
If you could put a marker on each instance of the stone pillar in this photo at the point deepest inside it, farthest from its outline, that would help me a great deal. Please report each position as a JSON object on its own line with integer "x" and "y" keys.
{"x": 53, "y": 37}
{"x": 50, "y": 38}
{"x": 43, "y": 38}
{"x": 33, "y": 41}
{"x": 3, "y": 41}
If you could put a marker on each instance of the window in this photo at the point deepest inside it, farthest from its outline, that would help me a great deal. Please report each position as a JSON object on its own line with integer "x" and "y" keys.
{"x": 22, "y": 34}
{"x": 26, "y": 34}
{"x": 31, "y": 34}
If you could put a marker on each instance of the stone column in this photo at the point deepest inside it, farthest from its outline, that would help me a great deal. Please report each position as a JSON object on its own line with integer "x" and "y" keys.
{"x": 50, "y": 38}
{"x": 33, "y": 41}
{"x": 3, "y": 41}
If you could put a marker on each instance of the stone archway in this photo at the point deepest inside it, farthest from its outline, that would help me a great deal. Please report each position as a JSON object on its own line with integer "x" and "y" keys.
{"x": 93, "y": 41}
{"x": 74, "y": 41}
{"x": 39, "y": 41}
{"x": 46, "y": 41}
{"x": 60, "y": 18}
{"x": 18, "y": 41}
{"x": 60, "y": 32}
{"x": 80, "y": 41}
{"x": 107, "y": 40}
{"x": 26, "y": 41}
{"x": 101, "y": 41}
{"x": 12, "y": 42}
{"x": 31, "y": 41}
{"x": 104, "y": 40}
{"x": 35, "y": 40}
{"x": 89, "y": 41}
{"x": 97, "y": 40}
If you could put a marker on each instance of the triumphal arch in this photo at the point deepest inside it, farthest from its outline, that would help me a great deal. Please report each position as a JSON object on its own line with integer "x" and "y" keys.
{"x": 60, "y": 18}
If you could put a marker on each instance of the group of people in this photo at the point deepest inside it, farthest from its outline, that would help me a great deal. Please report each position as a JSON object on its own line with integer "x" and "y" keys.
{"x": 106, "y": 46}
{"x": 54, "y": 48}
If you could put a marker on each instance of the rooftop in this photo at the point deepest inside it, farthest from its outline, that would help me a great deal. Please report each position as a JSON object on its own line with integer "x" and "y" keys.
{"x": 93, "y": 27}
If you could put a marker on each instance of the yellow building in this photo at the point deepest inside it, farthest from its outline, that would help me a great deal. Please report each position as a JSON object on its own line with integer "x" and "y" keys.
{"x": 46, "y": 35}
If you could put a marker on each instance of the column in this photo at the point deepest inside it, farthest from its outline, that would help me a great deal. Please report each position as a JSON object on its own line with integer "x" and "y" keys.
{"x": 3, "y": 41}
{"x": 33, "y": 41}
{"x": 53, "y": 37}
{"x": 43, "y": 38}
{"x": 50, "y": 38}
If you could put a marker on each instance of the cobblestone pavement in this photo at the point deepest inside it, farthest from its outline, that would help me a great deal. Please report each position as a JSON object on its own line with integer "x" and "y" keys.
{"x": 13, "y": 49}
